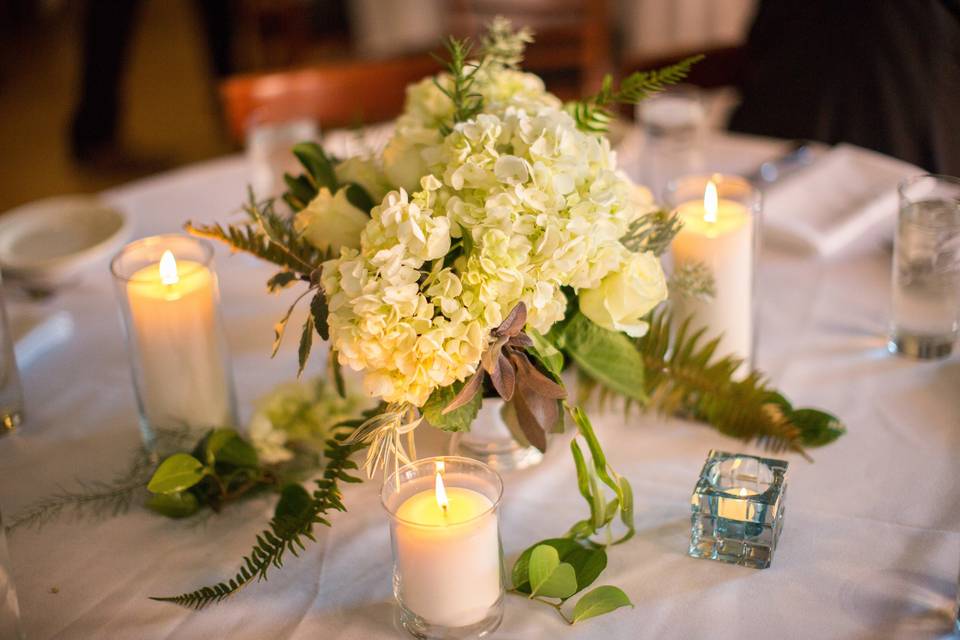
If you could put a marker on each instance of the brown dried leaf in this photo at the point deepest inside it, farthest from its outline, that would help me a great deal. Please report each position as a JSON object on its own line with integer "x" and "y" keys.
{"x": 531, "y": 377}
{"x": 514, "y": 322}
{"x": 504, "y": 377}
{"x": 528, "y": 422}
{"x": 473, "y": 386}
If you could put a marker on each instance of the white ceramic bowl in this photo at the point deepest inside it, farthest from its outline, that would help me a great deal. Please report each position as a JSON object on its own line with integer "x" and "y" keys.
{"x": 51, "y": 241}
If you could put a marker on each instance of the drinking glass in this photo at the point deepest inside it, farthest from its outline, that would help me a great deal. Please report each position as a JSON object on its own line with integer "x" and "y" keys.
{"x": 448, "y": 562}
{"x": 674, "y": 123}
{"x": 270, "y": 141}
{"x": 926, "y": 268}
{"x": 11, "y": 393}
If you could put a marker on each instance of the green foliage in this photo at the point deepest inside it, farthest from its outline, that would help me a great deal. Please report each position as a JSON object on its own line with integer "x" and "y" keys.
{"x": 548, "y": 576}
{"x": 587, "y": 562}
{"x": 652, "y": 232}
{"x": 598, "y": 602}
{"x": 554, "y": 570}
{"x": 177, "y": 473}
{"x": 181, "y": 504}
{"x": 545, "y": 352}
{"x": 456, "y": 420}
{"x": 686, "y": 377}
{"x": 593, "y": 114}
{"x": 463, "y": 74}
{"x": 292, "y": 524}
{"x": 103, "y": 498}
{"x": 607, "y": 356}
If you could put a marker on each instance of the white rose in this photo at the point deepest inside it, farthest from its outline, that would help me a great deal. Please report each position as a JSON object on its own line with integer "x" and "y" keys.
{"x": 625, "y": 296}
{"x": 331, "y": 222}
{"x": 366, "y": 173}
{"x": 403, "y": 164}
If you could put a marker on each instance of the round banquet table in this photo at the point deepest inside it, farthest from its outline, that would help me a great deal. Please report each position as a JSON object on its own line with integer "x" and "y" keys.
{"x": 871, "y": 538}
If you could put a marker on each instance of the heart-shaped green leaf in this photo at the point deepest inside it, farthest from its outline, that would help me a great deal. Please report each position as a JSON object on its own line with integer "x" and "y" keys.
{"x": 548, "y": 576}
{"x": 179, "y": 504}
{"x": 178, "y": 472}
{"x": 587, "y": 563}
{"x": 600, "y": 601}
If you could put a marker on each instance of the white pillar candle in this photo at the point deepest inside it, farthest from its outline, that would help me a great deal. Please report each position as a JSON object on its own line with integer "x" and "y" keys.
{"x": 448, "y": 555}
{"x": 720, "y": 234}
{"x": 184, "y": 377}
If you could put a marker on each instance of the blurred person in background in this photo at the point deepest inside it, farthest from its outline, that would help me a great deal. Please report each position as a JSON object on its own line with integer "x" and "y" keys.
{"x": 882, "y": 75}
{"x": 108, "y": 27}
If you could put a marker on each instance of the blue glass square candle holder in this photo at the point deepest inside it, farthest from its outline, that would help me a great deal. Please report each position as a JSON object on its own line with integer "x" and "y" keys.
{"x": 737, "y": 509}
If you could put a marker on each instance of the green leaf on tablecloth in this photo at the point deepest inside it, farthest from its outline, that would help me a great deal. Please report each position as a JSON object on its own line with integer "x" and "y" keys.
{"x": 306, "y": 343}
{"x": 817, "y": 428}
{"x": 319, "y": 311}
{"x": 459, "y": 419}
{"x": 294, "y": 524}
{"x": 179, "y": 504}
{"x": 587, "y": 563}
{"x": 318, "y": 165}
{"x": 608, "y": 357}
{"x": 598, "y": 602}
{"x": 178, "y": 472}
{"x": 548, "y": 576}
{"x": 545, "y": 352}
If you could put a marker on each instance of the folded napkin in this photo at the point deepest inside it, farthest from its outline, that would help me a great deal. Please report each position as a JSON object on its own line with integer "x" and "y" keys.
{"x": 846, "y": 201}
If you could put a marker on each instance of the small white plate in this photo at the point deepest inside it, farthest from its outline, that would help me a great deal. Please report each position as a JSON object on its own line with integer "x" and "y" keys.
{"x": 52, "y": 240}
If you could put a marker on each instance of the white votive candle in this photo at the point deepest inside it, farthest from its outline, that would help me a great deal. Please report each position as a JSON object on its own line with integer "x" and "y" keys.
{"x": 447, "y": 545}
{"x": 178, "y": 350}
{"x": 719, "y": 233}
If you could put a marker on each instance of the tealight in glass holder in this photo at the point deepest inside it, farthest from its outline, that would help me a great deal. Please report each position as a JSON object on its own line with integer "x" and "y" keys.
{"x": 169, "y": 303}
{"x": 737, "y": 509}
{"x": 448, "y": 563}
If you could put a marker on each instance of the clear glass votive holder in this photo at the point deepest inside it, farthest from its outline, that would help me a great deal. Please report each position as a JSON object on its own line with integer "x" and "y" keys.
{"x": 737, "y": 509}
{"x": 169, "y": 306}
{"x": 720, "y": 235}
{"x": 926, "y": 268}
{"x": 448, "y": 562}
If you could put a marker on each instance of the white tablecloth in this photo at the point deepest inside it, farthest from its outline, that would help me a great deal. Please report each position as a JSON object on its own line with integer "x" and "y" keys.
{"x": 870, "y": 546}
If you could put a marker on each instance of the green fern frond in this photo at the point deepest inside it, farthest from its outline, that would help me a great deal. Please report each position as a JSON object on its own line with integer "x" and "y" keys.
{"x": 653, "y": 232}
{"x": 683, "y": 377}
{"x": 286, "y": 532}
{"x": 593, "y": 114}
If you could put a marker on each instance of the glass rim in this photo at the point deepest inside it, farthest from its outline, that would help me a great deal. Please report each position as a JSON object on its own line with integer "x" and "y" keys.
{"x": 422, "y": 462}
{"x": 717, "y": 177}
{"x": 206, "y": 249}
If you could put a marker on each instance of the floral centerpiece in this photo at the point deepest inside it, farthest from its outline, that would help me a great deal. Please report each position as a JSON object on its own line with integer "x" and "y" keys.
{"x": 493, "y": 243}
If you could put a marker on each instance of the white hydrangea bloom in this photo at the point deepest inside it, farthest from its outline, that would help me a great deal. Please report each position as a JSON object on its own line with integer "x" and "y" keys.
{"x": 523, "y": 202}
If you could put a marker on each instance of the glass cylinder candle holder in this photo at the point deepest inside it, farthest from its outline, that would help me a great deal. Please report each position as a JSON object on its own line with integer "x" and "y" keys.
{"x": 169, "y": 302}
{"x": 737, "y": 509}
{"x": 720, "y": 234}
{"x": 448, "y": 563}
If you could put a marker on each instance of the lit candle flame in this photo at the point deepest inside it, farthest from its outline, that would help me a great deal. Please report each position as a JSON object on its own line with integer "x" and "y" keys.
{"x": 441, "y": 492}
{"x": 710, "y": 202}
{"x": 743, "y": 491}
{"x": 168, "y": 268}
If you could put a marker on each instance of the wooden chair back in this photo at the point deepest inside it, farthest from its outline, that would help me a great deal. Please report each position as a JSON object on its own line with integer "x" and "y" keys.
{"x": 335, "y": 95}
